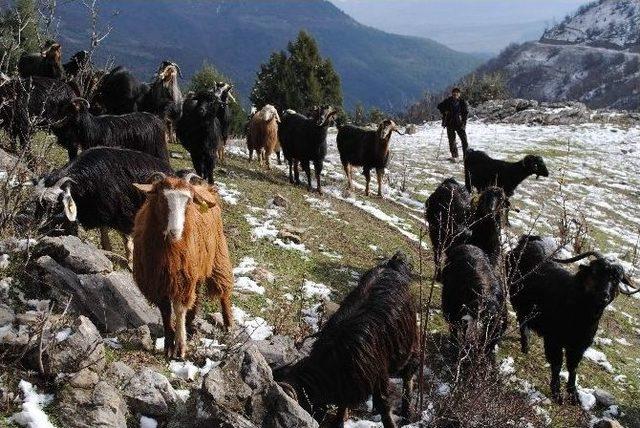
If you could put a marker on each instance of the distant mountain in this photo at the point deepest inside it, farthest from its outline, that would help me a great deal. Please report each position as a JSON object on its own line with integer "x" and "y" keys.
{"x": 593, "y": 56}
{"x": 377, "y": 68}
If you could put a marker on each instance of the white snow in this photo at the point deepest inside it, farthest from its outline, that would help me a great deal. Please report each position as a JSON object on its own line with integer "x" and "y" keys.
{"x": 256, "y": 327}
{"x": 599, "y": 358}
{"x": 291, "y": 246}
{"x": 247, "y": 285}
{"x": 147, "y": 422}
{"x": 506, "y": 367}
{"x": 183, "y": 394}
{"x": 63, "y": 334}
{"x": 32, "y": 415}
{"x": 4, "y": 261}
{"x": 247, "y": 265}
{"x": 185, "y": 370}
{"x": 315, "y": 290}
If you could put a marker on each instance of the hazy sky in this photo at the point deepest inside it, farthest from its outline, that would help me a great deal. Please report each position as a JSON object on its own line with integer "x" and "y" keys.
{"x": 466, "y": 25}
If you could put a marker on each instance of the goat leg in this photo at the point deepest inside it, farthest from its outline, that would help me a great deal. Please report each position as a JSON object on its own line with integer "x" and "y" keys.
{"x": 367, "y": 177}
{"x": 382, "y": 406}
{"x": 573, "y": 360}
{"x": 553, "y": 353}
{"x": 169, "y": 333}
{"x": 127, "y": 241}
{"x": 317, "y": 168}
{"x": 380, "y": 174}
{"x": 341, "y": 416}
{"x": 524, "y": 338}
{"x": 180, "y": 315}
{"x": 278, "y": 155}
{"x": 105, "y": 241}
{"x": 191, "y": 315}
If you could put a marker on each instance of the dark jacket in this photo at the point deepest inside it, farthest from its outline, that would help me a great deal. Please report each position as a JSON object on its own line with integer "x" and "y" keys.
{"x": 454, "y": 116}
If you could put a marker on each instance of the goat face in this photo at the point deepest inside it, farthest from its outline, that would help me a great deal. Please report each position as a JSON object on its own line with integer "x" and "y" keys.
{"x": 602, "y": 280}
{"x": 269, "y": 113}
{"x": 168, "y": 72}
{"x": 53, "y": 52}
{"x": 175, "y": 197}
{"x": 386, "y": 128}
{"x": 51, "y": 198}
{"x": 325, "y": 115}
{"x": 535, "y": 165}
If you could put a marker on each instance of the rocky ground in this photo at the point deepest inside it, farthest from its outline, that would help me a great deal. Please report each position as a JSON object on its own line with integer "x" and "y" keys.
{"x": 80, "y": 347}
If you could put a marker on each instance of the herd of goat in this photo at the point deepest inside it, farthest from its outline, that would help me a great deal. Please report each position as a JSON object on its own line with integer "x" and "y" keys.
{"x": 171, "y": 223}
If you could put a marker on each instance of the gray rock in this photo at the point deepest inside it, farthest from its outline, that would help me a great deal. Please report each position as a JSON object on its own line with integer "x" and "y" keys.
{"x": 6, "y": 315}
{"x": 280, "y": 201}
{"x": 137, "y": 338}
{"x": 255, "y": 370}
{"x": 287, "y": 236}
{"x": 83, "y": 349}
{"x": 119, "y": 374}
{"x": 85, "y": 379}
{"x": 112, "y": 301}
{"x": 98, "y": 407}
{"x": 278, "y": 350}
{"x": 604, "y": 398}
{"x": 150, "y": 393}
{"x": 283, "y": 411}
{"x": 74, "y": 254}
{"x": 223, "y": 387}
{"x": 607, "y": 423}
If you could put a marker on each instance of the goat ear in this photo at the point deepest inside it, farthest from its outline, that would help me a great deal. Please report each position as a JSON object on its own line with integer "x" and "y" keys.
{"x": 69, "y": 205}
{"x": 204, "y": 196}
{"x": 146, "y": 188}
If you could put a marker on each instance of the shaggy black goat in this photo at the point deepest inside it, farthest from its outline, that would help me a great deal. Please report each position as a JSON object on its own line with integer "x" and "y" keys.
{"x": 27, "y": 105}
{"x": 96, "y": 189}
{"x": 46, "y": 63}
{"x": 164, "y": 98}
{"x": 371, "y": 337}
{"x": 304, "y": 140}
{"x": 473, "y": 299}
{"x": 482, "y": 171}
{"x": 143, "y": 132}
{"x": 119, "y": 92}
{"x": 447, "y": 212}
{"x": 366, "y": 148}
{"x": 223, "y": 91}
{"x": 200, "y": 132}
{"x": 563, "y": 307}
{"x": 78, "y": 62}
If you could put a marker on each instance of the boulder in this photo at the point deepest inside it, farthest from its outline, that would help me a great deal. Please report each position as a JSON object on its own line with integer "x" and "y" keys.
{"x": 287, "y": 236}
{"x": 82, "y": 349}
{"x": 255, "y": 370}
{"x": 98, "y": 407}
{"x": 604, "y": 398}
{"x": 283, "y": 411}
{"x": 150, "y": 393}
{"x": 278, "y": 350}
{"x": 137, "y": 338}
{"x": 112, "y": 301}
{"x": 607, "y": 423}
{"x": 72, "y": 253}
{"x": 280, "y": 201}
{"x": 6, "y": 314}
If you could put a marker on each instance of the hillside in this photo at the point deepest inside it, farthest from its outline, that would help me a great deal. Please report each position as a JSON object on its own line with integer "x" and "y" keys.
{"x": 593, "y": 56}
{"x": 281, "y": 286}
{"x": 377, "y": 68}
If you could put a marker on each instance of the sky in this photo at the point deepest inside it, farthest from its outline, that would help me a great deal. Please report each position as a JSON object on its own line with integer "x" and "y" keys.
{"x": 479, "y": 26}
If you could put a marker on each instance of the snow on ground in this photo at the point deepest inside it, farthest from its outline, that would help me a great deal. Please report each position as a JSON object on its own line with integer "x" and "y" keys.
{"x": 599, "y": 358}
{"x": 32, "y": 415}
{"x": 256, "y": 327}
{"x": 146, "y": 422}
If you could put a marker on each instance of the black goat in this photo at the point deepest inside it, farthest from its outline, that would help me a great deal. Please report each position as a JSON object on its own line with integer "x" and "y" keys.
{"x": 562, "y": 307}
{"x": 78, "y": 62}
{"x": 164, "y": 98}
{"x": 371, "y": 337}
{"x": 46, "y": 63}
{"x": 27, "y": 105}
{"x": 118, "y": 92}
{"x": 473, "y": 299}
{"x": 366, "y": 148}
{"x": 304, "y": 140}
{"x": 143, "y": 132}
{"x": 447, "y": 212}
{"x": 482, "y": 171}
{"x": 223, "y": 91}
{"x": 472, "y": 292}
{"x": 96, "y": 190}
{"x": 200, "y": 132}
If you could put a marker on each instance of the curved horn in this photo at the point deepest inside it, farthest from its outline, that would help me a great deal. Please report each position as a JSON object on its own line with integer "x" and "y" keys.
{"x": 191, "y": 176}
{"x": 177, "y": 68}
{"x": 626, "y": 280}
{"x": 579, "y": 257}
{"x": 398, "y": 132}
{"x": 61, "y": 182}
{"x": 157, "y": 176}
{"x": 84, "y": 101}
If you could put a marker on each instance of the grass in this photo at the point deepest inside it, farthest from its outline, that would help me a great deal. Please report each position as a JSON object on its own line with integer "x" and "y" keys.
{"x": 349, "y": 232}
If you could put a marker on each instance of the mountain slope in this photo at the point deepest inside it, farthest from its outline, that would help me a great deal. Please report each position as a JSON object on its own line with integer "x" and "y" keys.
{"x": 377, "y": 68}
{"x": 593, "y": 57}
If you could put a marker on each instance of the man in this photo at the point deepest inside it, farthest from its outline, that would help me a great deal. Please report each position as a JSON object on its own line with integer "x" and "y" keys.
{"x": 454, "y": 117}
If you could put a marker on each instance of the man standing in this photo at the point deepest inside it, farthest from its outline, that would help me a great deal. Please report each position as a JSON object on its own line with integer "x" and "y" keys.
{"x": 454, "y": 117}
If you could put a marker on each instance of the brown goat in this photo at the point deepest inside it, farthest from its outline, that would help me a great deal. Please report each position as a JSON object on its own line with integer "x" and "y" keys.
{"x": 262, "y": 135}
{"x": 178, "y": 243}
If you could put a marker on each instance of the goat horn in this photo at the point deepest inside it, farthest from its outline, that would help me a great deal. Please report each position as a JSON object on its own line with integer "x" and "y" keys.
{"x": 398, "y": 132}
{"x": 157, "y": 176}
{"x": 73, "y": 100}
{"x": 579, "y": 257}
{"x": 177, "y": 68}
{"x": 191, "y": 176}
{"x": 63, "y": 181}
{"x": 626, "y": 280}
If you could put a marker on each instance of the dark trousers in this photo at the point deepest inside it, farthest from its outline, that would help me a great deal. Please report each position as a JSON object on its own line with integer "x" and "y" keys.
{"x": 451, "y": 133}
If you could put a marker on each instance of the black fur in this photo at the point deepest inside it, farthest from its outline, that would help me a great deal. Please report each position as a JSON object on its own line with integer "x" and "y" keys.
{"x": 562, "y": 307}
{"x": 199, "y": 131}
{"x": 136, "y": 131}
{"x": 103, "y": 186}
{"x": 304, "y": 140}
{"x": 119, "y": 92}
{"x": 76, "y": 63}
{"x": 34, "y": 64}
{"x": 371, "y": 337}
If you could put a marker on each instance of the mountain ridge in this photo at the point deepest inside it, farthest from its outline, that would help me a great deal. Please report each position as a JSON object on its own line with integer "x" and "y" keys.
{"x": 377, "y": 68}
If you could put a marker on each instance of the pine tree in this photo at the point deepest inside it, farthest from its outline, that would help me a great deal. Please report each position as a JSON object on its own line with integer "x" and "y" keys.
{"x": 19, "y": 32}
{"x": 359, "y": 116}
{"x": 206, "y": 79}
{"x": 27, "y": 16}
{"x": 298, "y": 78}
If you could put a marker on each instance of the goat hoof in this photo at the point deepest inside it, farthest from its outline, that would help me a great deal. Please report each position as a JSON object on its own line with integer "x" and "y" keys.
{"x": 573, "y": 398}
{"x": 557, "y": 398}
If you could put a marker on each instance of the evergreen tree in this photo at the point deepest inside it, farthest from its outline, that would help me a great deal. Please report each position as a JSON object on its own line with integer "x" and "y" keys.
{"x": 359, "y": 116}
{"x": 297, "y": 79}
{"x": 206, "y": 79}
{"x": 19, "y": 33}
